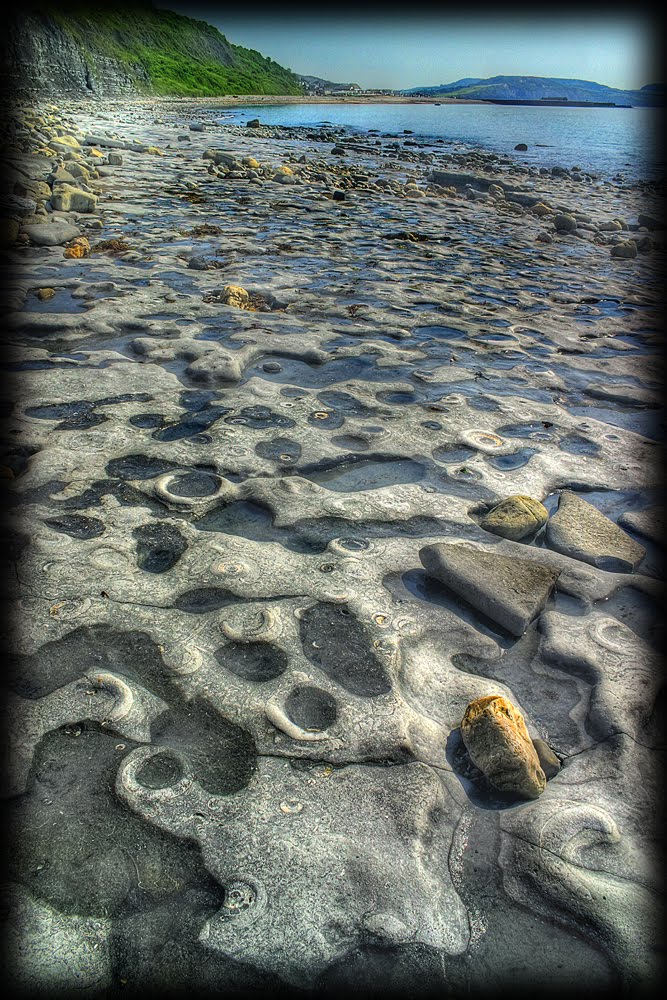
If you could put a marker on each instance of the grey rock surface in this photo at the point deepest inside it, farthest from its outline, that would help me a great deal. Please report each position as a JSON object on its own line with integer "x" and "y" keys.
{"x": 578, "y": 529}
{"x": 236, "y": 698}
{"x": 509, "y": 591}
{"x": 650, "y": 524}
{"x": 51, "y": 234}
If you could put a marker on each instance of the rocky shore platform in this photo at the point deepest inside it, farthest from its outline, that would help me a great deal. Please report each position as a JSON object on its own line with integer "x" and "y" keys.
{"x": 334, "y": 537}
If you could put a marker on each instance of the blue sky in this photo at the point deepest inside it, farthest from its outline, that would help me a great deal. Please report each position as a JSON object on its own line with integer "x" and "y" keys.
{"x": 425, "y": 49}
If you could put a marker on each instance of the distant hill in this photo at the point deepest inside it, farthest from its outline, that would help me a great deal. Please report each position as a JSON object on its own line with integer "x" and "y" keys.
{"x": 535, "y": 88}
{"x": 106, "y": 49}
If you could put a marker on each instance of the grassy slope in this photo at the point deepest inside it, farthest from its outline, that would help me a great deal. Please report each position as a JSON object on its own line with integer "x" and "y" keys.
{"x": 181, "y": 56}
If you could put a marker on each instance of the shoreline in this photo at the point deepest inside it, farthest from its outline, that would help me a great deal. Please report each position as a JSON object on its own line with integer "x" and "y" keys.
{"x": 650, "y": 176}
{"x": 257, "y": 374}
{"x": 236, "y": 99}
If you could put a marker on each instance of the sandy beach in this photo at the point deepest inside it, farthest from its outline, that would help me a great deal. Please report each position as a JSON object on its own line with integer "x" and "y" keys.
{"x": 272, "y": 388}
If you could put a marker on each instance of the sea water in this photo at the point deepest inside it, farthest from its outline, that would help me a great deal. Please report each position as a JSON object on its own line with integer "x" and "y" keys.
{"x": 604, "y": 141}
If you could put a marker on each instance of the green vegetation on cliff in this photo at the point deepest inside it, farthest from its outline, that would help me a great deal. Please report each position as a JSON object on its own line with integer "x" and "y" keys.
{"x": 171, "y": 54}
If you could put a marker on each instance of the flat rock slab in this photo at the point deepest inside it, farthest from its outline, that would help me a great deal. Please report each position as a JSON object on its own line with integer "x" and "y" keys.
{"x": 510, "y": 591}
{"x": 579, "y": 530}
{"x": 51, "y": 234}
{"x": 651, "y": 524}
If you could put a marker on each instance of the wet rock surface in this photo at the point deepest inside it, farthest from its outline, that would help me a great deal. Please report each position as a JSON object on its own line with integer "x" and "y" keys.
{"x": 251, "y": 585}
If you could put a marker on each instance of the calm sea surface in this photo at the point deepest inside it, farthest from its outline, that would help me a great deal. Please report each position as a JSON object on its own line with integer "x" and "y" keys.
{"x": 605, "y": 141}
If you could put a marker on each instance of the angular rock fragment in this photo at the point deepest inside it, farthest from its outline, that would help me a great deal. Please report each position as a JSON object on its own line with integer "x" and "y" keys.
{"x": 497, "y": 741}
{"x": 508, "y": 590}
{"x": 516, "y": 517}
{"x": 579, "y": 530}
{"x": 651, "y": 524}
{"x": 549, "y": 762}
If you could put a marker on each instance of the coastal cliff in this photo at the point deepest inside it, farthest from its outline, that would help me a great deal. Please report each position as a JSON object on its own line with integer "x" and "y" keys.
{"x": 131, "y": 50}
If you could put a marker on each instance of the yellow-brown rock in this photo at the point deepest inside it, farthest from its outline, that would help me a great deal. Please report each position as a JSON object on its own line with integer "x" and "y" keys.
{"x": 497, "y": 741}
{"x": 67, "y": 140}
{"x": 80, "y": 247}
{"x": 234, "y": 295}
{"x": 516, "y": 517}
{"x": 44, "y": 294}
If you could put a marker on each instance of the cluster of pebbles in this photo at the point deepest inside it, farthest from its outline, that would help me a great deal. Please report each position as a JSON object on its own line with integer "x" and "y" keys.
{"x": 333, "y": 473}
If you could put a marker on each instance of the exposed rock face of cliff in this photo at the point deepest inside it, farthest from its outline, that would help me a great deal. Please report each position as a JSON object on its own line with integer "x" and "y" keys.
{"x": 113, "y": 52}
{"x": 44, "y": 58}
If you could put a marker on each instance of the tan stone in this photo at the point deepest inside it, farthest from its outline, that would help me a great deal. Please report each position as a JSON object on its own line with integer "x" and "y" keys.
{"x": 234, "y": 295}
{"x": 80, "y": 247}
{"x": 68, "y": 142}
{"x": 497, "y": 741}
{"x": 516, "y": 517}
{"x": 541, "y": 209}
{"x": 251, "y": 162}
{"x": 78, "y": 170}
{"x": 66, "y": 198}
